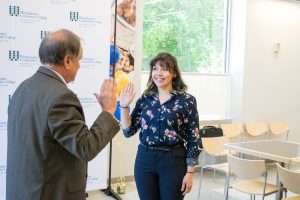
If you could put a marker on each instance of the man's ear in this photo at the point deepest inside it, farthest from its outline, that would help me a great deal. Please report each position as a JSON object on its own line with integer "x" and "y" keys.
{"x": 67, "y": 62}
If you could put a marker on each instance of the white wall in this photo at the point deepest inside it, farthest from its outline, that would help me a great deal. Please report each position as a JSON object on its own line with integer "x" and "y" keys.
{"x": 236, "y": 58}
{"x": 271, "y": 84}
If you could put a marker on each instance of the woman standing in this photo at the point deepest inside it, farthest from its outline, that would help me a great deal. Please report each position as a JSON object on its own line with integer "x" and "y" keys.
{"x": 168, "y": 121}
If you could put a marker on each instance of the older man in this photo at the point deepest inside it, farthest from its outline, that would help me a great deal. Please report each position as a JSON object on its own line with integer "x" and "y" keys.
{"x": 49, "y": 143}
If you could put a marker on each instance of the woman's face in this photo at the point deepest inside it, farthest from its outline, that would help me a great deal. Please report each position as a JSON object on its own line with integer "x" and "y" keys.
{"x": 162, "y": 77}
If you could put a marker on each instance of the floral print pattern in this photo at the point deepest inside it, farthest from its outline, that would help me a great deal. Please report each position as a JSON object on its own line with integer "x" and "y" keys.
{"x": 174, "y": 122}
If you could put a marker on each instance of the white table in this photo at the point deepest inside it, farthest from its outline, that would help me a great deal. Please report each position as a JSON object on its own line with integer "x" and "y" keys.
{"x": 283, "y": 152}
{"x": 277, "y": 150}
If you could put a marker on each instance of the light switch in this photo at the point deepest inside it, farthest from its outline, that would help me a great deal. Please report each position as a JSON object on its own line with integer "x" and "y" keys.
{"x": 276, "y": 47}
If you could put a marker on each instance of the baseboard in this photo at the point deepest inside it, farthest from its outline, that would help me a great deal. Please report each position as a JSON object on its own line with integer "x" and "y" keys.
{"x": 127, "y": 179}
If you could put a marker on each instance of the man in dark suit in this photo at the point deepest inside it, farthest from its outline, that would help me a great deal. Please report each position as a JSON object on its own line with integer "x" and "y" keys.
{"x": 49, "y": 143}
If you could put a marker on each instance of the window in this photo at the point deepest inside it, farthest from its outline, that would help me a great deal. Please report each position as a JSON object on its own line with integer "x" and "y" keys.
{"x": 193, "y": 31}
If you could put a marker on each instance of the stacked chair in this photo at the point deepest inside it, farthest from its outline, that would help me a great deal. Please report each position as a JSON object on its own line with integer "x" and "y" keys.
{"x": 256, "y": 130}
{"x": 277, "y": 128}
{"x": 214, "y": 146}
{"x": 233, "y": 131}
{"x": 248, "y": 171}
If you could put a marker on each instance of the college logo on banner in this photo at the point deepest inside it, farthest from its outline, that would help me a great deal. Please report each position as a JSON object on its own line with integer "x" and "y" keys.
{"x": 44, "y": 33}
{"x": 23, "y": 59}
{"x": 90, "y": 62}
{"x": 25, "y": 16}
{"x": 6, "y": 36}
{"x": 87, "y": 101}
{"x": 61, "y": 2}
{"x": 14, "y": 55}
{"x": 74, "y": 16}
{"x": 14, "y": 10}
{"x": 5, "y": 82}
{"x": 3, "y": 125}
{"x": 2, "y": 169}
{"x": 89, "y": 21}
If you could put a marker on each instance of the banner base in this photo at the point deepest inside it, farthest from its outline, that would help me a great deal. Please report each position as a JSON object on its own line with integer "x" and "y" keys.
{"x": 110, "y": 192}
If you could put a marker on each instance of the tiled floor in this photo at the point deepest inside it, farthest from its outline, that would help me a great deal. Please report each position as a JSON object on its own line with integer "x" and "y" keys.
{"x": 210, "y": 190}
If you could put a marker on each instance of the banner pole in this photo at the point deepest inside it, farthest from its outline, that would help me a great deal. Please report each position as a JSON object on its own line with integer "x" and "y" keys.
{"x": 109, "y": 191}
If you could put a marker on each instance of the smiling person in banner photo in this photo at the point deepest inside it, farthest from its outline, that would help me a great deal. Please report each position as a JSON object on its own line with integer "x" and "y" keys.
{"x": 167, "y": 118}
{"x": 49, "y": 143}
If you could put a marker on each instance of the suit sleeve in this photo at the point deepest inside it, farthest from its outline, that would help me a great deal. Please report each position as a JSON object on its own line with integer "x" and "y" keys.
{"x": 67, "y": 126}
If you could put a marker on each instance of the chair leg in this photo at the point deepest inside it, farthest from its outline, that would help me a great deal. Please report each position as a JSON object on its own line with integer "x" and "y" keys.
{"x": 200, "y": 182}
{"x": 214, "y": 175}
{"x": 214, "y": 169}
{"x": 226, "y": 183}
{"x": 227, "y": 186}
{"x": 285, "y": 193}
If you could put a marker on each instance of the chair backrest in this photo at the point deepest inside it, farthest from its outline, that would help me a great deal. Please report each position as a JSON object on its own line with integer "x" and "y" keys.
{"x": 214, "y": 145}
{"x": 246, "y": 169}
{"x": 232, "y": 130}
{"x": 256, "y": 128}
{"x": 279, "y": 127}
{"x": 290, "y": 179}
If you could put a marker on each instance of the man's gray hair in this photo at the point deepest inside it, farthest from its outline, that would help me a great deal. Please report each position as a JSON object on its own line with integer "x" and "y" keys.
{"x": 56, "y": 45}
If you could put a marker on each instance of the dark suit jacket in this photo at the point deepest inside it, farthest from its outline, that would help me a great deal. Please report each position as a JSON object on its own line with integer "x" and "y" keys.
{"x": 49, "y": 143}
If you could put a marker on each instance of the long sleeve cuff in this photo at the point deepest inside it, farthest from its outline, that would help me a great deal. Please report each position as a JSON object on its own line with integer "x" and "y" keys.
{"x": 192, "y": 161}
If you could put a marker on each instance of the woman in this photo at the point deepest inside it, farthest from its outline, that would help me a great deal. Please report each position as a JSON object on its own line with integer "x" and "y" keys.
{"x": 168, "y": 121}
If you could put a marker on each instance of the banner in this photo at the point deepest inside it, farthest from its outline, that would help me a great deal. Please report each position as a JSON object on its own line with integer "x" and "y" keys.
{"x": 125, "y": 38}
{"x": 23, "y": 25}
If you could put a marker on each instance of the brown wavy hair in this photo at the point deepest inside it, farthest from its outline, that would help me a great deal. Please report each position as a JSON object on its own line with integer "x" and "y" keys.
{"x": 169, "y": 61}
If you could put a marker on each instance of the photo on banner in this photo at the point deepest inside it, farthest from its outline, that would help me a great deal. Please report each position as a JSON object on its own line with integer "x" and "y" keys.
{"x": 124, "y": 51}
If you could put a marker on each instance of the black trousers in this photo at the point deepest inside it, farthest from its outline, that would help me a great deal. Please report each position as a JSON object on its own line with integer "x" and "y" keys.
{"x": 159, "y": 174}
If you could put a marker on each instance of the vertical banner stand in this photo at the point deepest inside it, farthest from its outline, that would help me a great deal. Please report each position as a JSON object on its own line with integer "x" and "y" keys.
{"x": 109, "y": 191}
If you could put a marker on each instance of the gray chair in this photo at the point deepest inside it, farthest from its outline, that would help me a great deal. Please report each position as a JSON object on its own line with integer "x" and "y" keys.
{"x": 213, "y": 146}
{"x": 290, "y": 180}
{"x": 248, "y": 171}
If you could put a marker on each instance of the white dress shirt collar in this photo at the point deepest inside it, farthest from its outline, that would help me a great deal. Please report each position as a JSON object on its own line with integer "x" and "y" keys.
{"x": 58, "y": 74}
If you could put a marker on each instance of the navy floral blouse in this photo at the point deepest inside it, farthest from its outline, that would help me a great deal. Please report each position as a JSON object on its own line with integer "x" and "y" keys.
{"x": 174, "y": 122}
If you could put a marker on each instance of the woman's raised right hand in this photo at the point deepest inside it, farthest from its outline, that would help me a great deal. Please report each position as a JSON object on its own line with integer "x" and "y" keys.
{"x": 127, "y": 95}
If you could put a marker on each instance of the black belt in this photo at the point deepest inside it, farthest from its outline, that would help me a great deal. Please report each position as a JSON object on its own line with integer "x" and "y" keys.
{"x": 161, "y": 148}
